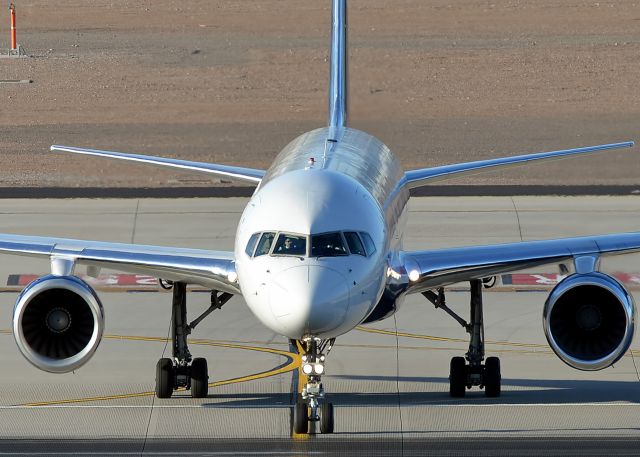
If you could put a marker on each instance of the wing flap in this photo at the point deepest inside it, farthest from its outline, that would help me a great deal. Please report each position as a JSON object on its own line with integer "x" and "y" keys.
{"x": 212, "y": 269}
{"x": 442, "y": 267}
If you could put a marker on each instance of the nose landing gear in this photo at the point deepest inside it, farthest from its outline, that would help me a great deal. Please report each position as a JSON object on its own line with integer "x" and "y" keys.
{"x": 310, "y": 406}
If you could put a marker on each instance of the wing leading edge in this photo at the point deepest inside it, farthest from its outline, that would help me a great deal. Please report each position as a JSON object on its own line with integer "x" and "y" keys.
{"x": 424, "y": 176}
{"x": 243, "y": 174}
{"x": 438, "y": 268}
{"x": 212, "y": 269}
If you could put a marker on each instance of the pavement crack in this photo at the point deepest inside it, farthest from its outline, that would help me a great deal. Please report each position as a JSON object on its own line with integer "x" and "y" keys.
{"x": 135, "y": 222}
{"x": 517, "y": 218}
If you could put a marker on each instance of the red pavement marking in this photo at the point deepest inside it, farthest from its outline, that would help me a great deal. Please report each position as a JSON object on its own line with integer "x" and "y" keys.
{"x": 551, "y": 279}
{"x": 116, "y": 280}
{"x": 124, "y": 280}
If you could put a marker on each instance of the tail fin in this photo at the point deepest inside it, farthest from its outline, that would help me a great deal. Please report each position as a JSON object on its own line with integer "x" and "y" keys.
{"x": 338, "y": 83}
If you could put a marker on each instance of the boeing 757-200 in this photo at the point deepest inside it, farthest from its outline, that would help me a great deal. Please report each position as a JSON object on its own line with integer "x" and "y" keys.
{"x": 318, "y": 251}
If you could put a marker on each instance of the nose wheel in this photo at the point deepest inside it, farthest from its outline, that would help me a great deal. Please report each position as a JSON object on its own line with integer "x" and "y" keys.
{"x": 301, "y": 418}
{"x": 311, "y": 405}
{"x": 304, "y": 415}
{"x": 326, "y": 418}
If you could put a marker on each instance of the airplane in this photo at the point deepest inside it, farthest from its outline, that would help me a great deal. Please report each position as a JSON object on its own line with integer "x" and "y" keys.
{"x": 319, "y": 251}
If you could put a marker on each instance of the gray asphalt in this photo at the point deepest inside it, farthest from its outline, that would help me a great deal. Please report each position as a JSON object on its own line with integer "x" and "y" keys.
{"x": 388, "y": 381}
{"x": 242, "y": 191}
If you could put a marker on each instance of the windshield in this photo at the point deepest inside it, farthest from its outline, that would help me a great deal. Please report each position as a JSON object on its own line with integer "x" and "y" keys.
{"x": 327, "y": 245}
{"x": 355, "y": 245}
{"x": 265, "y": 243}
{"x": 331, "y": 244}
{"x": 289, "y": 244}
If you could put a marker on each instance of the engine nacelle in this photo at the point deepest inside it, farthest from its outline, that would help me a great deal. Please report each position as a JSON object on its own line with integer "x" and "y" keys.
{"x": 58, "y": 323}
{"x": 589, "y": 320}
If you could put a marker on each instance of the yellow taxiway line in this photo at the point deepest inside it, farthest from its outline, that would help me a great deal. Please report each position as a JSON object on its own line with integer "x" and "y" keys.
{"x": 302, "y": 380}
{"x": 449, "y": 340}
{"x": 535, "y": 348}
{"x": 292, "y": 362}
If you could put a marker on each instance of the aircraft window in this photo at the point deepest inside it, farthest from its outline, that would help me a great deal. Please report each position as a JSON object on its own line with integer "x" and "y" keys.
{"x": 368, "y": 243}
{"x": 265, "y": 243}
{"x": 355, "y": 245}
{"x": 251, "y": 244}
{"x": 327, "y": 245}
{"x": 288, "y": 244}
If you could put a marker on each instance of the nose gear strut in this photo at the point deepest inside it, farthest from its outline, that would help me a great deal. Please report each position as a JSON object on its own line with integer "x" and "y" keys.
{"x": 310, "y": 405}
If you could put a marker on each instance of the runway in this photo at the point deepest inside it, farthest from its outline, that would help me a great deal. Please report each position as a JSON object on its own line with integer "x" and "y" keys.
{"x": 388, "y": 381}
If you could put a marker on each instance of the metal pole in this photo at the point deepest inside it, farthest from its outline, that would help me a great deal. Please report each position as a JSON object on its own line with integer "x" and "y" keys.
{"x": 12, "y": 8}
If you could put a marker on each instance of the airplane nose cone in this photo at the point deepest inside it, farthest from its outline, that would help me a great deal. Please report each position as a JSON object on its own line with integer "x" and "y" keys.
{"x": 309, "y": 300}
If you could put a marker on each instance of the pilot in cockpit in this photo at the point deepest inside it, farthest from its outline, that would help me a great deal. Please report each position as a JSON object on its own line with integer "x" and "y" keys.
{"x": 287, "y": 247}
{"x": 290, "y": 245}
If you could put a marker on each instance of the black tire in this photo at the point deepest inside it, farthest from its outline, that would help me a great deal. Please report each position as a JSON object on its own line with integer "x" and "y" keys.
{"x": 492, "y": 377}
{"x": 458, "y": 377}
{"x": 326, "y": 418}
{"x": 301, "y": 418}
{"x": 199, "y": 378}
{"x": 164, "y": 378}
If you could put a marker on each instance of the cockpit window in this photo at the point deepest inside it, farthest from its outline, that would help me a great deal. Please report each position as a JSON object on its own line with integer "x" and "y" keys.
{"x": 354, "y": 243}
{"x": 288, "y": 244}
{"x": 368, "y": 243}
{"x": 264, "y": 245}
{"x": 327, "y": 245}
{"x": 323, "y": 245}
{"x": 251, "y": 244}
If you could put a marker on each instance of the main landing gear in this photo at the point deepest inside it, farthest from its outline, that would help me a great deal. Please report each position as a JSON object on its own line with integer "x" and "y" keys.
{"x": 465, "y": 375}
{"x": 182, "y": 371}
{"x": 310, "y": 405}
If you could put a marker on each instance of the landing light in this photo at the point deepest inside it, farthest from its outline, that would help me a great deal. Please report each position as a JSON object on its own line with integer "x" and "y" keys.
{"x": 414, "y": 275}
{"x": 315, "y": 368}
{"x": 393, "y": 274}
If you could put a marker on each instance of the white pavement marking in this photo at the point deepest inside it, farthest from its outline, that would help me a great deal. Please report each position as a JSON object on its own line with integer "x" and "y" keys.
{"x": 342, "y": 405}
{"x": 202, "y": 453}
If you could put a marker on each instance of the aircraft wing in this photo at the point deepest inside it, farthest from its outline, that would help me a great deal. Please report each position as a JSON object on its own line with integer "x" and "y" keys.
{"x": 212, "y": 269}
{"x": 251, "y": 175}
{"x": 423, "y": 270}
{"x": 424, "y": 176}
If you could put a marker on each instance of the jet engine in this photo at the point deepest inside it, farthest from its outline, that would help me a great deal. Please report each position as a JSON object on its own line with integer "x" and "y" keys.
{"x": 58, "y": 323}
{"x": 589, "y": 320}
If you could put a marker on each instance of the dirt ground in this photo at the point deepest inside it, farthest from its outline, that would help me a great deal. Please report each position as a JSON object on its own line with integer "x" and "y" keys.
{"x": 234, "y": 81}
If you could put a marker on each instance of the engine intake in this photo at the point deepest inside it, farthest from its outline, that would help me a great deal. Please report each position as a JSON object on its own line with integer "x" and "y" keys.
{"x": 589, "y": 320}
{"x": 58, "y": 323}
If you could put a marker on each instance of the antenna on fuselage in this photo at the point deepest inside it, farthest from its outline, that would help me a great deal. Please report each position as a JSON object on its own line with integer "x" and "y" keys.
{"x": 338, "y": 78}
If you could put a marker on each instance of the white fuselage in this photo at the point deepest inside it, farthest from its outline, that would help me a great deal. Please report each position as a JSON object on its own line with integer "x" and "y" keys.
{"x": 316, "y": 192}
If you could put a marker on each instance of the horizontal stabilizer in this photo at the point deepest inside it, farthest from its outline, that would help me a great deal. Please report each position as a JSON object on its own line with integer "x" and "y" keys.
{"x": 423, "y": 176}
{"x": 243, "y": 174}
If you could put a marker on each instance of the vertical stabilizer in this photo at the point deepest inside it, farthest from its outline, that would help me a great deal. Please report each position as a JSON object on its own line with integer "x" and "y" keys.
{"x": 338, "y": 82}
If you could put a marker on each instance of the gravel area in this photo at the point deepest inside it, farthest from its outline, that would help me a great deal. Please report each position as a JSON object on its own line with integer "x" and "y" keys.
{"x": 234, "y": 81}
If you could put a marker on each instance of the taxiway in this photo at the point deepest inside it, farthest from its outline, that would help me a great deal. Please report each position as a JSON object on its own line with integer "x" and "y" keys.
{"x": 388, "y": 381}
